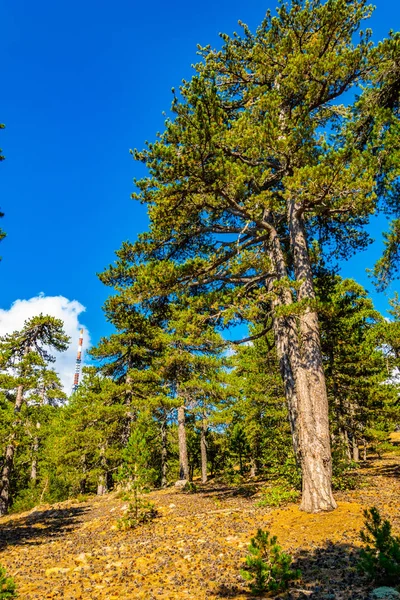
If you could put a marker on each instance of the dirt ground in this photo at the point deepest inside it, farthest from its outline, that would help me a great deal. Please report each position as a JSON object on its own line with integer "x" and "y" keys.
{"x": 194, "y": 548}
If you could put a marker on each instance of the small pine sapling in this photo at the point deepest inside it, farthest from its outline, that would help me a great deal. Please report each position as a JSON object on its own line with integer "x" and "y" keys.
{"x": 139, "y": 476}
{"x": 7, "y": 586}
{"x": 380, "y": 559}
{"x": 268, "y": 566}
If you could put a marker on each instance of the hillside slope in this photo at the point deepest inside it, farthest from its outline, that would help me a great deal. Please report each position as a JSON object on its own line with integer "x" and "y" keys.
{"x": 194, "y": 549}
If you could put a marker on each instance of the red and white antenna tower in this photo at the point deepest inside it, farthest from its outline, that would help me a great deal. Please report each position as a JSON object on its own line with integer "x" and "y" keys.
{"x": 78, "y": 362}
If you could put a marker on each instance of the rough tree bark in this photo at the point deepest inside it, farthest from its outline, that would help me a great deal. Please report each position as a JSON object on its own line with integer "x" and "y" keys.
{"x": 356, "y": 452}
{"x": 286, "y": 338}
{"x": 183, "y": 455}
{"x": 102, "y": 487}
{"x": 253, "y": 467}
{"x": 364, "y": 443}
{"x": 35, "y": 450}
{"x": 346, "y": 443}
{"x": 315, "y": 448}
{"x": 164, "y": 450}
{"x": 203, "y": 448}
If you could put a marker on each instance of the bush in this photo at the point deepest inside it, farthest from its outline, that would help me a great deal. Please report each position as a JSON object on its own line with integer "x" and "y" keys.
{"x": 278, "y": 495}
{"x": 138, "y": 476}
{"x": 344, "y": 476}
{"x": 267, "y": 566}
{"x": 7, "y": 586}
{"x": 190, "y": 487}
{"x": 380, "y": 560}
{"x": 139, "y": 511}
{"x": 285, "y": 472}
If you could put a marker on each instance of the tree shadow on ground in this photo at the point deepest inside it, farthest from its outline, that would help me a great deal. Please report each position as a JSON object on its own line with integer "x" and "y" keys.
{"x": 386, "y": 471}
{"x": 38, "y": 526}
{"x": 221, "y": 491}
{"x": 328, "y": 573}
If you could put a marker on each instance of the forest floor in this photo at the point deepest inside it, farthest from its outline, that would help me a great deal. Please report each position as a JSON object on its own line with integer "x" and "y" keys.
{"x": 195, "y": 547}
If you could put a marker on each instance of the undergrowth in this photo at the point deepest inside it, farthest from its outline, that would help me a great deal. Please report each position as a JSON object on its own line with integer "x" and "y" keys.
{"x": 380, "y": 559}
{"x": 278, "y": 495}
{"x": 8, "y": 589}
{"x": 267, "y": 565}
{"x": 139, "y": 511}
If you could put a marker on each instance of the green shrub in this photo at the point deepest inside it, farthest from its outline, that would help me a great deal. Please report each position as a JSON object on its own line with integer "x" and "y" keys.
{"x": 231, "y": 477}
{"x": 81, "y": 498}
{"x": 267, "y": 566}
{"x": 190, "y": 487}
{"x": 380, "y": 559}
{"x": 8, "y": 588}
{"x": 285, "y": 472}
{"x": 26, "y": 499}
{"x": 278, "y": 495}
{"x": 344, "y": 475}
{"x": 139, "y": 511}
{"x": 137, "y": 475}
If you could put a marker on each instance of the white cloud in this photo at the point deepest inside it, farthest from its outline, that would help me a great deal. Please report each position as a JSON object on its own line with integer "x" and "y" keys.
{"x": 55, "y": 306}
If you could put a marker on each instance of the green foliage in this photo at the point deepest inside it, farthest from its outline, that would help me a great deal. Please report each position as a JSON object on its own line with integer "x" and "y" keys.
{"x": 278, "y": 495}
{"x": 8, "y": 588}
{"x": 190, "y": 487}
{"x": 138, "y": 476}
{"x": 25, "y": 375}
{"x": 139, "y": 511}
{"x": 380, "y": 559}
{"x": 344, "y": 474}
{"x": 267, "y": 566}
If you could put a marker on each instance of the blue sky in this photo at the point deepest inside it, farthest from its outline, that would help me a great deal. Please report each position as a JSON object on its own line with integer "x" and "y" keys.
{"x": 82, "y": 83}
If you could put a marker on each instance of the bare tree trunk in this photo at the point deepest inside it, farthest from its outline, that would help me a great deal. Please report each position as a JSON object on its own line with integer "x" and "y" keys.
{"x": 253, "y": 467}
{"x": 9, "y": 459}
{"x": 346, "y": 444}
{"x": 364, "y": 442}
{"x": 164, "y": 451}
{"x": 102, "y": 479}
{"x": 301, "y": 369}
{"x": 203, "y": 447}
{"x": 102, "y": 485}
{"x": 356, "y": 452}
{"x": 286, "y": 338}
{"x": 315, "y": 448}
{"x": 35, "y": 450}
{"x": 183, "y": 456}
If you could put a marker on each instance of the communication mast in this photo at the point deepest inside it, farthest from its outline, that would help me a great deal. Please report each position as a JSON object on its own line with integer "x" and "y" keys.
{"x": 78, "y": 362}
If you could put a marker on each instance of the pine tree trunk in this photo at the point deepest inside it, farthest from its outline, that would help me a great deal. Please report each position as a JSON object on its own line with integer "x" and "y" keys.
{"x": 364, "y": 441}
{"x": 346, "y": 444}
{"x": 286, "y": 338}
{"x": 356, "y": 452}
{"x": 102, "y": 478}
{"x": 315, "y": 448}
{"x": 203, "y": 447}
{"x": 183, "y": 455}
{"x": 102, "y": 485}
{"x": 35, "y": 450}
{"x": 9, "y": 459}
{"x": 164, "y": 451}
{"x": 253, "y": 467}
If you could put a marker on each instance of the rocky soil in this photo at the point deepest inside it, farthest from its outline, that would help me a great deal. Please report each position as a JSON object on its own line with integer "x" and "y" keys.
{"x": 194, "y": 548}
